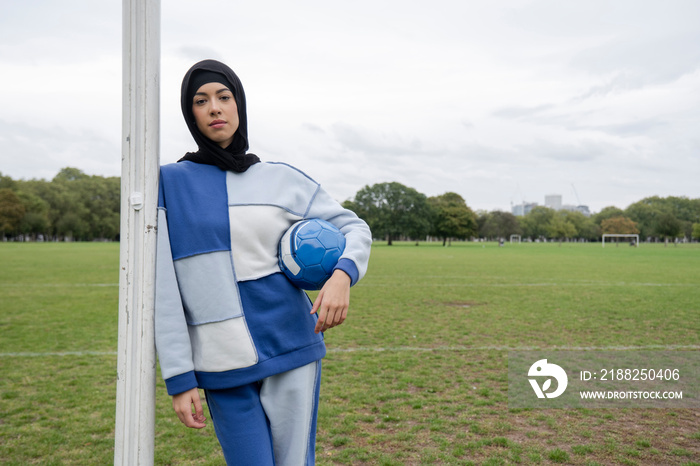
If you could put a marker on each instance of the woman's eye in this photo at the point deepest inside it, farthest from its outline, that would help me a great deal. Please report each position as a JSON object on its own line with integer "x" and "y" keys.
{"x": 199, "y": 101}
{"x": 225, "y": 97}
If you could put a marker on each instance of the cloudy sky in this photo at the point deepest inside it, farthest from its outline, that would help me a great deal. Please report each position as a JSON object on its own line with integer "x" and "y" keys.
{"x": 501, "y": 102}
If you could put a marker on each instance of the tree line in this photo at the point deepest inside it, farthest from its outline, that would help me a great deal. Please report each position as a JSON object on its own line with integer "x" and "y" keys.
{"x": 79, "y": 207}
{"x": 72, "y": 206}
{"x": 394, "y": 211}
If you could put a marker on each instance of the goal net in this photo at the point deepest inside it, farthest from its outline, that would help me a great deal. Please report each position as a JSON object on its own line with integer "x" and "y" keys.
{"x": 620, "y": 235}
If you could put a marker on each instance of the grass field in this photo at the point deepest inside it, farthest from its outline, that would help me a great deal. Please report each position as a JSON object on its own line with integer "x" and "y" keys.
{"x": 417, "y": 375}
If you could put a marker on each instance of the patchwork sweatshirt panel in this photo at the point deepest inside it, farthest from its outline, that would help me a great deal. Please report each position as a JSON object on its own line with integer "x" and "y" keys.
{"x": 278, "y": 315}
{"x": 205, "y": 285}
{"x": 284, "y": 187}
{"x": 194, "y": 197}
{"x": 222, "y": 346}
{"x": 255, "y": 237}
{"x": 170, "y": 325}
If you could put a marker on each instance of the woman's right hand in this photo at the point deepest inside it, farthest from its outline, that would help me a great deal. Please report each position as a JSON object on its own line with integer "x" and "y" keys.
{"x": 188, "y": 407}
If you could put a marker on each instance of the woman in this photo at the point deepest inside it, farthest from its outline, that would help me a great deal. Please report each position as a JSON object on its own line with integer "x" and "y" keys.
{"x": 227, "y": 320}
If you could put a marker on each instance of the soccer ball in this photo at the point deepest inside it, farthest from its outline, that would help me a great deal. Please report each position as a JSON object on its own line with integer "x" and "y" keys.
{"x": 308, "y": 252}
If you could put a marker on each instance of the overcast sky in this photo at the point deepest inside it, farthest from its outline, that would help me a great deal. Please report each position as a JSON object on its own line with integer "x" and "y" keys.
{"x": 499, "y": 101}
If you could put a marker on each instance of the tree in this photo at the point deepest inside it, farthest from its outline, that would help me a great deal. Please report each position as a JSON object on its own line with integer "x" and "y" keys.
{"x": 71, "y": 226}
{"x": 645, "y": 216}
{"x": 45, "y": 191}
{"x": 68, "y": 214}
{"x": 686, "y": 211}
{"x": 606, "y": 213}
{"x": 452, "y": 218}
{"x": 393, "y": 210}
{"x": 651, "y": 211}
{"x": 561, "y": 228}
{"x": 680, "y": 207}
{"x": 87, "y": 207}
{"x": 101, "y": 199}
{"x": 696, "y": 231}
{"x": 72, "y": 204}
{"x": 586, "y": 227}
{"x": 7, "y": 182}
{"x": 36, "y": 217}
{"x": 686, "y": 229}
{"x": 619, "y": 226}
{"x": 667, "y": 226}
{"x": 11, "y": 212}
{"x": 70, "y": 174}
{"x": 536, "y": 223}
{"x": 499, "y": 224}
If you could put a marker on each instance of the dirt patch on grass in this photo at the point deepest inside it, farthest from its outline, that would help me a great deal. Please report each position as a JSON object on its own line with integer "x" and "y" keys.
{"x": 612, "y": 436}
{"x": 499, "y": 436}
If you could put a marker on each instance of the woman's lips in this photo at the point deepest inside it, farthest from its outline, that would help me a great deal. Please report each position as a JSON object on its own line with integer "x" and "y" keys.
{"x": 217, "y": 124}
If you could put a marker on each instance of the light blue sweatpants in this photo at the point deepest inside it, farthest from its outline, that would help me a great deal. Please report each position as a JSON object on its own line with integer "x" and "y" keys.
{"x": 271, "y": 422}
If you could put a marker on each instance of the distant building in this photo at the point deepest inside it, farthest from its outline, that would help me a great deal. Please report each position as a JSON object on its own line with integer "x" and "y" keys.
{"x": 577, "y": 208}
{"x": 553, "y": 201}
{"x": 523, "y": 209}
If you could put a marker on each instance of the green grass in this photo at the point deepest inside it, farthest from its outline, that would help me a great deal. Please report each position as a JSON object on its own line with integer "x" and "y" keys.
{"x": 417, "y": 375}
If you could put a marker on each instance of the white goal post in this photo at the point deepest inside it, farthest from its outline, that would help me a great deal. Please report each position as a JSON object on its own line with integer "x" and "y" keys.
{"x": 134, "y": 430}
{"x": 512, "y": 237}
{"x": 620, "y": 235}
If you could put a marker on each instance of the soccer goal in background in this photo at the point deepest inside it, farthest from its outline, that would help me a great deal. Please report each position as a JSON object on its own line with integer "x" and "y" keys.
{"x": 620, "y": 235}
{"x": 514, "y": 238}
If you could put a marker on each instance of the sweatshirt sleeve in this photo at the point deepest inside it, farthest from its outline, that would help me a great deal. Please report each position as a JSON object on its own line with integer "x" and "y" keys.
{"x": 171, "y": 333}
{"x": 358, "y": 237}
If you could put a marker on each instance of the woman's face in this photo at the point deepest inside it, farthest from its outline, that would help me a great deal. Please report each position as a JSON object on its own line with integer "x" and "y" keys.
{"x": 216, "y": 113}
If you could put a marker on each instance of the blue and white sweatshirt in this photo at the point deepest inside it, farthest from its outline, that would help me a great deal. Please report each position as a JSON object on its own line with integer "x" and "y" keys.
{"x": 225, "y": 315}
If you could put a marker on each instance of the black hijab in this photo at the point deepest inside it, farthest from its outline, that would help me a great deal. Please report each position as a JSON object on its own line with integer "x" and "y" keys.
{"x": 234, "y": 157}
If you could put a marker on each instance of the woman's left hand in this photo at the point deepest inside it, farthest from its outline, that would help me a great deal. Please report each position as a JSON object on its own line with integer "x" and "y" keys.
{"x": 332, "y": 301}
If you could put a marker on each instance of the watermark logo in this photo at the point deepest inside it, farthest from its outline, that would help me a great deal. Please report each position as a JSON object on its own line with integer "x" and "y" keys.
{"x": 593, "y": 378}
{"x": 544, "y": 369}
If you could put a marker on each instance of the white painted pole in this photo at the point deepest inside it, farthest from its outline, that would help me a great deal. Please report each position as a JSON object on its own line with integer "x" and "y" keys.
{"x": 136, "y": 360}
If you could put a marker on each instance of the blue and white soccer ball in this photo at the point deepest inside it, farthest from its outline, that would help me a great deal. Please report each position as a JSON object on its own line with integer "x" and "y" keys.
{"x": 309, "y": 251}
